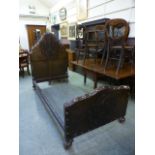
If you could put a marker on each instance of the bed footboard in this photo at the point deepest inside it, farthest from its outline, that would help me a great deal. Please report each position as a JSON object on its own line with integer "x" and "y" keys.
{"x": 93, "y": 110}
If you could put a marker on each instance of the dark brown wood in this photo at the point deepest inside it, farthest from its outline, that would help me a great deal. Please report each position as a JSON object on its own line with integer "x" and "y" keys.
{"x": 71, "y": 57}
{"x": 83, "y": 113}
{"x": 88, "y": 112}
{"x": 95, "y": 40}
{"x": 95, "y": 109}
{"x": 117, "y": 31}
{"x": 97, "y": 70}
{"x": 31, "y": 29}
{"x": 24, "y": 61}
{"x": 85, "y": 77}
{"x": 92, "y": 43}
{"x": 48, "y": 60}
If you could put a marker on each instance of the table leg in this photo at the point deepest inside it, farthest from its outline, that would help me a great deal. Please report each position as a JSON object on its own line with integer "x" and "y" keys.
{"x": 85, "y": 77}
{"x": 95, "y": 80}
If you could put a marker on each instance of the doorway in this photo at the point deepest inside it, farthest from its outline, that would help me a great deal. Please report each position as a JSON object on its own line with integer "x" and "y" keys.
{"x": 34, "y": 33}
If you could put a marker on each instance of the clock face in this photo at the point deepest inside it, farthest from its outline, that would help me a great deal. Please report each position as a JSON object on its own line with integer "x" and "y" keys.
{"x": 62, "y": 13}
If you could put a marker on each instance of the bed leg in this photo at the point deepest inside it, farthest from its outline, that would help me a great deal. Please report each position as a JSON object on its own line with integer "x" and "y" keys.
{"x": 68, "y": 144}
{"x": 121, "y": 119}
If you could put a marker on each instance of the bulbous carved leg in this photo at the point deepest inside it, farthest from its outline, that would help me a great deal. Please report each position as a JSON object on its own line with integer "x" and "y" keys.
{"x": 68, "y": 144}
{"x": 121, "y": 119}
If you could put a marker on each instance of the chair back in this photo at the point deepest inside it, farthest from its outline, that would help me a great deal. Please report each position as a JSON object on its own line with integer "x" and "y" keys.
{"x": 117, "y": 30}
{"x": 100, "y": 35}
{"x": 80, "y": 36}
{"x": 23, "y": 57}
{"x": 95, "y": 36}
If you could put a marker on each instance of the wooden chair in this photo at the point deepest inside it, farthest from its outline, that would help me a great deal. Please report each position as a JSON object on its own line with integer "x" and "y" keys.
{"x": 117, "y": 31}
{"x": 80, "y": 43}
{"x": 92, "y": 43}
{"x": 24, "y": 61}
{"x": 95, "y": 41}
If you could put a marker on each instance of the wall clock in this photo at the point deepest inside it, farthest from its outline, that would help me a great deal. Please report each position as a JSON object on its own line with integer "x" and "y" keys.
{"x": 63, "y": 13}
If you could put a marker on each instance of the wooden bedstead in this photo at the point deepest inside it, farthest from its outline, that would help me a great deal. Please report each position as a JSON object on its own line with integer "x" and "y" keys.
{"x": 76, "y": 115}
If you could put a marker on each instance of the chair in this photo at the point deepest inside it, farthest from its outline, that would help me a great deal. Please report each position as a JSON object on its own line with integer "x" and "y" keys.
{"x": 93, "y": 42}
{"x": 80, "y": 43}
{"x": 117, "y": 31}
{"x": 24, "y": 61}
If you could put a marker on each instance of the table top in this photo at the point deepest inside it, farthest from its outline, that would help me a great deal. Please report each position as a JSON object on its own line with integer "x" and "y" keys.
{"x": 98, "y": 68}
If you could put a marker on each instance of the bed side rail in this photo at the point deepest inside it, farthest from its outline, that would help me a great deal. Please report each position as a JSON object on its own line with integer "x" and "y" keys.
{"x": 51, "y": 109}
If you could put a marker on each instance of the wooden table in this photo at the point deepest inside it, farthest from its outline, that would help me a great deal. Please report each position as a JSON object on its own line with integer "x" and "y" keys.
{"x": 97, "y": 70}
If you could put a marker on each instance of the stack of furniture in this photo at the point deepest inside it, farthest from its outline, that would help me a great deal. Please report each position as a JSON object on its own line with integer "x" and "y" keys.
{"x": 117, "y": 50}
{"x": 108, "y": 39}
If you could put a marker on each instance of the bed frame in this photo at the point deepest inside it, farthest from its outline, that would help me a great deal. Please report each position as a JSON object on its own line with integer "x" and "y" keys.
{"x": 84, "y": 113}
{"x": 88, "y": 112}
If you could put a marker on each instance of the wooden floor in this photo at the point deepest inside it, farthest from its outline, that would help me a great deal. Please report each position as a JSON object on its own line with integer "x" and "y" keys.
{"x": 97, "y": 67}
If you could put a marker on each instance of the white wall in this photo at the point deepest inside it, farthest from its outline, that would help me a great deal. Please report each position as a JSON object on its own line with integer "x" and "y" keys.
{"x": 98, "y": 9}
{"x": 40, "y": 8}
{"x": 70, "y": 5}
{"x": 22, "y": 28}
{"x": 25, "y": 18}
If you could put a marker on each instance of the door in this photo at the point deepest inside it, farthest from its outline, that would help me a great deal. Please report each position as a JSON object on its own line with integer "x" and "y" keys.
{"x": 34, "y": 33}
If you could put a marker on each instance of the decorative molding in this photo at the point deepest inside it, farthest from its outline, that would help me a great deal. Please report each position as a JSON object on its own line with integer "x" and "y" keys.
{"x": 33, "y": 16}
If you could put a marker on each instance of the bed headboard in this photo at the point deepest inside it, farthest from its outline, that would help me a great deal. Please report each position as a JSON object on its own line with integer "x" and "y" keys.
{"x": 48, "y": 59}
{"x": 95, "y": 109}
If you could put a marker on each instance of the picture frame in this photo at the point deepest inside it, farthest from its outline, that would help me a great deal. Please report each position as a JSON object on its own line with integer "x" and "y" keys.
{"x": 72, "y": 31}
{"x": 82, "y": 9}
{"x": 64, "y": 30}
{"x": 53, "y": 19}
{"x": 79, "y": 32}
